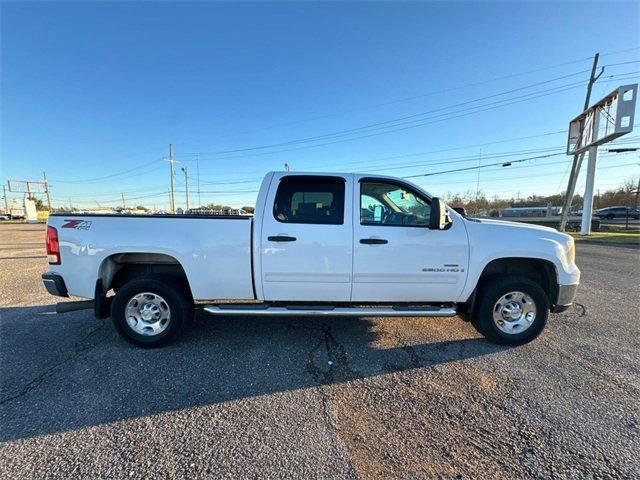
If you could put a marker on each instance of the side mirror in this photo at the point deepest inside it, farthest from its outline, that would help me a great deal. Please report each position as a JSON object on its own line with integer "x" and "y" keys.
{"x": 461, "y": 210}
{"x": 439, "y": 218}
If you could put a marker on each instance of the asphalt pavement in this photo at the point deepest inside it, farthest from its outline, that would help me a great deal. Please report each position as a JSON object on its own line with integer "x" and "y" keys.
{"x": 319, "y": 398}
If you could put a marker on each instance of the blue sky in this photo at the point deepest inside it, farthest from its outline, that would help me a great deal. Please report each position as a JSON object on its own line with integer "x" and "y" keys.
{"x": 93, "y": 90}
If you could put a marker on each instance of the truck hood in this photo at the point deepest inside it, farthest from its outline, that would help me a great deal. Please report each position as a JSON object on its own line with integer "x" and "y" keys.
{"x": 523, "y": 228}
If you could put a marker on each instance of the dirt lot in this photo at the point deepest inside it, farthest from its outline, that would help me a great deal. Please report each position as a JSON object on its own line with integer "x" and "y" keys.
{"x": 324, "y": 398}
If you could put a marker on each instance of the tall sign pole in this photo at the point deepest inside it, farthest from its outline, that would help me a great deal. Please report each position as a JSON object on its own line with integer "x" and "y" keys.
{"x": 173, "y": 198}
{"x": 577, "y": 159}
{"x": 587, "y": 203}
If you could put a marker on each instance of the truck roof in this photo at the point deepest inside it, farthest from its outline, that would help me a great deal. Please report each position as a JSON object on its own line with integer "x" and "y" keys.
{"x": 334, "y": 174}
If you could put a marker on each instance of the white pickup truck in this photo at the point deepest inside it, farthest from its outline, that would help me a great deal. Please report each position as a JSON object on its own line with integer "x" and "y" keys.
{"x": 318, "y": 244}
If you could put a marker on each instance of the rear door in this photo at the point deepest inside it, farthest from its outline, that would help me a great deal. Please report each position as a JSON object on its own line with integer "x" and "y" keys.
{"x": 397, "y": 258}
{"x": 306, "y": 238}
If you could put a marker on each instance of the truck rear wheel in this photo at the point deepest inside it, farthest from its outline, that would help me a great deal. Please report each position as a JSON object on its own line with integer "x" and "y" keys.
{"x": 512, "y": 310}
{"x": 151, "y": 311}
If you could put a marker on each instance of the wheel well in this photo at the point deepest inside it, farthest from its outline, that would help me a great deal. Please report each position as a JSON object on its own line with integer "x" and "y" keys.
{"x": 118, "y": 269}
{"x": 540, "y": 271}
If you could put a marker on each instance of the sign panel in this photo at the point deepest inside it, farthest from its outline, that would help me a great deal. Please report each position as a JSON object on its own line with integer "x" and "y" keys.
{"x": 606, "y": 120}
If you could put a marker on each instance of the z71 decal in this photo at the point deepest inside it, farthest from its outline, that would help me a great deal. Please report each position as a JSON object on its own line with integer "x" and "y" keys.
{"x": 77, "y": 224}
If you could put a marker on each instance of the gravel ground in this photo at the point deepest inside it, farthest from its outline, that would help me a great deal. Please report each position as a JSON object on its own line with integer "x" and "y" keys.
{"x": 318, "y": 398}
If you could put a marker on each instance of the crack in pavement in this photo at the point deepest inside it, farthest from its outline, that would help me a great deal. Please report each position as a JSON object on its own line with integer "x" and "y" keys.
{"x": 339, "y": 369}
{"x": 338, "y": 361}
{"x": 79, "y": 349}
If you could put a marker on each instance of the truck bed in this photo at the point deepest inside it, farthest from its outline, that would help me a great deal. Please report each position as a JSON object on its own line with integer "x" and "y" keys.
{"x": 215, "y": 250}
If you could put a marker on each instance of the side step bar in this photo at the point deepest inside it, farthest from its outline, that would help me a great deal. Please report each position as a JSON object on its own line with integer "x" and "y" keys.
{"x": 311, "y": 311}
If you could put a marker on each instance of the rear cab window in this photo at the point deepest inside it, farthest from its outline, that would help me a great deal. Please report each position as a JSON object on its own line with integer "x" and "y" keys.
{"x": 312, "y": 200}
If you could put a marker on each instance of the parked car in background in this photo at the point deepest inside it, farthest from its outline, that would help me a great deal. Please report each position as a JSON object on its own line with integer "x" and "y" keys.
{"x": 531, "y": 211}
{"x": 618, "y": 212}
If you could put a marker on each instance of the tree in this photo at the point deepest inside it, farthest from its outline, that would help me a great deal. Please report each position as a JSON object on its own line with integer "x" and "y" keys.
{"x": 248, "y": 209}
{"x": 216, "y": 206}
{"x": 39, "y": 205}
{"x": 476, "y": 203}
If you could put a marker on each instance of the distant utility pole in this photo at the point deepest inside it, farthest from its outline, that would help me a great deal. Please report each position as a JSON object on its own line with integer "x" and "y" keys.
{"x": 122, "y": 199}
{"x": 46, "y": 189}
{"x": 186, "y": 184}
{"x": 173, "y": 198}
{"x": 198, "y": 176}
{"x": 6, "y": 203}
{"x": 478, "y": 182}
{"x": 577, "y": 159}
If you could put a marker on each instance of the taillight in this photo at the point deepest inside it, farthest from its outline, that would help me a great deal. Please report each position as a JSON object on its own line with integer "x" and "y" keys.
{"x": 53, "y": 247}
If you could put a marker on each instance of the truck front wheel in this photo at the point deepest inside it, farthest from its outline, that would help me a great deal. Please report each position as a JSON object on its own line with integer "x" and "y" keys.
{"x": 151, "y": 311}
{"x": 512, "y": 310}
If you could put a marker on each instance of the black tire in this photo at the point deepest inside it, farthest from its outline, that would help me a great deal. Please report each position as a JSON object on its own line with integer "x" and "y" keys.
{"x": 492, "y": 290}
{"x": 172, "y": 291}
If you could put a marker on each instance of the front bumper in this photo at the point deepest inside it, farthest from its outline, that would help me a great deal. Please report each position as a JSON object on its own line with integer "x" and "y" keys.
{"x": 566, "y": 296}
{"x": 54, "y": 284}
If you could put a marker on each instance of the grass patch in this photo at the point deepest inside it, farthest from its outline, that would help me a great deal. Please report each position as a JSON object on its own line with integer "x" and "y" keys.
{"x": 627, "y": 238}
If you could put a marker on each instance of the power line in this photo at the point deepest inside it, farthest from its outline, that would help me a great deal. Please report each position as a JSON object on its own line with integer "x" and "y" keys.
{"x": 621, "y": 63}
{"x": 414, "y": 125}
{"x": 364, "y": 127}
{"x": 396, "y": 121}
{"x": 101, "y": 194}
{"x": 478, "y": 167}
{"x": 473, "y": 157}
{"x": 378, "y": 126}
{"x": 460, "y": 87}
{"x": 105, "y": 177}
{"x": 533, "y": 176}
{"x": 119, "y": 200}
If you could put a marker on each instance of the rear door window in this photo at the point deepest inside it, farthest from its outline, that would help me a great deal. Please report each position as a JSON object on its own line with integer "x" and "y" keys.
{"x": 315, "y": 200}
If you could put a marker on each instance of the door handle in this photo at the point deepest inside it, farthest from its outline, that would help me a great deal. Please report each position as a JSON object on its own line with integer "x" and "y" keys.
{"x": 373, "y": 241}
{"x": 281, "y": 238}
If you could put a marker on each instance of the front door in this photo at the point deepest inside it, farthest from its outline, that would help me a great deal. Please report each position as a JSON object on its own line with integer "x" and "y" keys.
{"x": 306, "y": 240}
{"x": 397, "y": 258}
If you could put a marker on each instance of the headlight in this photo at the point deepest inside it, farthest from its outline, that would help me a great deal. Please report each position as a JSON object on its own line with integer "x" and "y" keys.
{"x": 571, "y": 251}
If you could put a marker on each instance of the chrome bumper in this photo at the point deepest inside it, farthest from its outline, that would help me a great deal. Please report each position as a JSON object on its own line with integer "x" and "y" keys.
{"x": 566, "y": 296}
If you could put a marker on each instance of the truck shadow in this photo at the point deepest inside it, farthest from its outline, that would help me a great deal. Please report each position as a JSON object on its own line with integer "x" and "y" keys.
{"x": 66, "y": 372}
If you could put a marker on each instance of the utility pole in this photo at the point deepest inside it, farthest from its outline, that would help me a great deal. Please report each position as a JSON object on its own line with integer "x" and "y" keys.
{"x": 46, "y": 189}
{"x": 198, "y": 176}
{"x": 186, "y": 184}
{"x": 6, "y": 203}
{"x": 577, "y": 159}
{"x": 122, "y": 193}
{"x": 173, "y": 198}
{"x": 478, "y": 182}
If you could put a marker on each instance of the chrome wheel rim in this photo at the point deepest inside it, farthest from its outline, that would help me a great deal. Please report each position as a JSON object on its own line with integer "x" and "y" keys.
{"x": 514, "y": 312}
{"x": 148, "y": 314}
